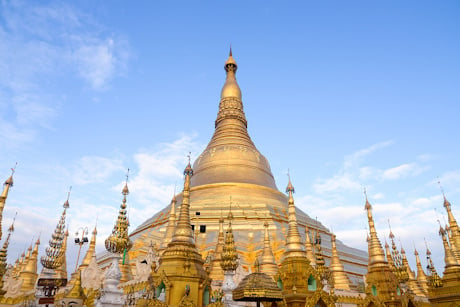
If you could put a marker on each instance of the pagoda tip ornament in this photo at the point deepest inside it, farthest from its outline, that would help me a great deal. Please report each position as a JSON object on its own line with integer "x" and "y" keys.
{"x": 55, "y": 251}
{"x": 118, "y": 242}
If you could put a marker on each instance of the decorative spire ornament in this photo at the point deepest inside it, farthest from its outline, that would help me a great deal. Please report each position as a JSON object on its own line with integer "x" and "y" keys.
{"x": 6, "y": 187}
{"x": 56, "y": 249}
{"x": 118, "y": 242}
{"x": 294, "y": 246}
{"x": 4, "y": 254}
{"x": 229, "y": 256}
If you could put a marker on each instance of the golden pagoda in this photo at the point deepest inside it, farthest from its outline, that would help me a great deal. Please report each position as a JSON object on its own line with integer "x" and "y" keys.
{"x": 232, "y": 165}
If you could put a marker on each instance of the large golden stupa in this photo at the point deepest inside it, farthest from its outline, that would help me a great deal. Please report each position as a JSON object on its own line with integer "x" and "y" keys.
{"x": 231, "y": 174}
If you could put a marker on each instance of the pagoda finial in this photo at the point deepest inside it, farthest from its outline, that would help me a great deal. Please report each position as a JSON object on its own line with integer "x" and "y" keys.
{"x": 55, "y": 251}
{"x": 376, "y": 254}
{"x": 6, "y": 187}
{"x": 183, "y": 231}
{"x": 118, "y": 242}
{"x": 449, "y": 257}
{"x": 336, "y": 268}
{"x": 434, "y": 279}
{"x": 4, "y": 252}
{"x": 294, "y": 246}
{"x": 230, "y": 88}
{"x": 268, "y": 264}
{"x": 421, "y": 276}
{"x": 171, "y": 222}
{"x": 229, "y": 260}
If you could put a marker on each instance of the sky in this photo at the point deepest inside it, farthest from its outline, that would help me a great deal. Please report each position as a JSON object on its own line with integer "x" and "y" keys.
{"x": 347, "y": 95}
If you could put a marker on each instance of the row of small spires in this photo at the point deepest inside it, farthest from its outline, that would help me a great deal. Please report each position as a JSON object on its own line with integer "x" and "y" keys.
{"x": 399, "y": 264}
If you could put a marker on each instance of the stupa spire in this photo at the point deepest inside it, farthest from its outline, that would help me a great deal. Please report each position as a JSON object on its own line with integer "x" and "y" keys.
{"x": 171, "y": 222}
{"x": 216, "y": 272}
{"x": 376, "y": 254}
{"x": 336, "y": 268}
{"x": 434, "y": 279}
{"x": 29, "y": 272}
{"x": 229, "y": 256}
{"x": 454, "y": 231}
{"x": 6, "y": 188}
{"x": 118, "y": 242}
{"x": 268, "y": 264}
{"x": 4, "y": 254}
{"x": 422, "y": 280}
{"x": 56, "y": 249}
{"x": 294, "y": 246}
{"x": 183, "y": 232}
{"x": 449, "y": 257}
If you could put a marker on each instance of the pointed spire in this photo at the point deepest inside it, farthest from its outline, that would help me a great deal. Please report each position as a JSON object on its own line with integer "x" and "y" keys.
{"x": 336, "y": 268}
{"x": 216, "y": 272}
{"x": 422, "y": 280}
{"x": 389, "y": 257}
{"x": 183, "y": 232}
{"x": 229, "y": 256}
{"x": 294, "y": 246}
{"x": 118, "y": 241}
{"x": 171, "y": 222}
{"x": 29, "y": 272}
{"x": 55, "y": 250}
{"x": 453, "y": 229}
{"x": 376, "y": 254}
{"x": 398, "y": 266}
{"x": 434, "y": 279}
{"x": 268, "y": 264}
{"x": 449, "y": 257}
{"x": 4, "y": 253}
{"x": 6, "y": 187}
{"x": 309, "y": 247}
{"x": 90, "y": 252}
{"x": 231, "y": 88}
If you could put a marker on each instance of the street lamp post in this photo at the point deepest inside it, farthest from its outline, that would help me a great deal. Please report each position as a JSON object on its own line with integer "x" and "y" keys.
{"x": 80, "y": 240}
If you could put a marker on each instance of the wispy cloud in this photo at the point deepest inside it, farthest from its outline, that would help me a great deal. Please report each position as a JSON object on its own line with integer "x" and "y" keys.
{"x": 349, "y": 176}
{"x": 49, "y": 41}
{"x": 403, "y": 170}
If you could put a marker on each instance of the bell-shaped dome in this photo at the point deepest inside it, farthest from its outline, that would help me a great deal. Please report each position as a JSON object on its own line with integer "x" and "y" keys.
{"x": 231, "y": 156}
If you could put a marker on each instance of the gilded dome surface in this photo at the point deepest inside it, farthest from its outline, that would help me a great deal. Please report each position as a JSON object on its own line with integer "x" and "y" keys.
{"x": 231, "y": 156}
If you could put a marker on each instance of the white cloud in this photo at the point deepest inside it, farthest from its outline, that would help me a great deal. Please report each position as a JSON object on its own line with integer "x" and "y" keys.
{"x": 99, "y": 61}
{"x": 49, "y": 41}
{"x": 95, "y": 169}
{"x": 403, "y": 170}
{"x": 350, "y": 175}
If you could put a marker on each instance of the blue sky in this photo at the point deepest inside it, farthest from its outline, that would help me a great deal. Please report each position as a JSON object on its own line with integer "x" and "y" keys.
{"x": 344, "y": 94}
